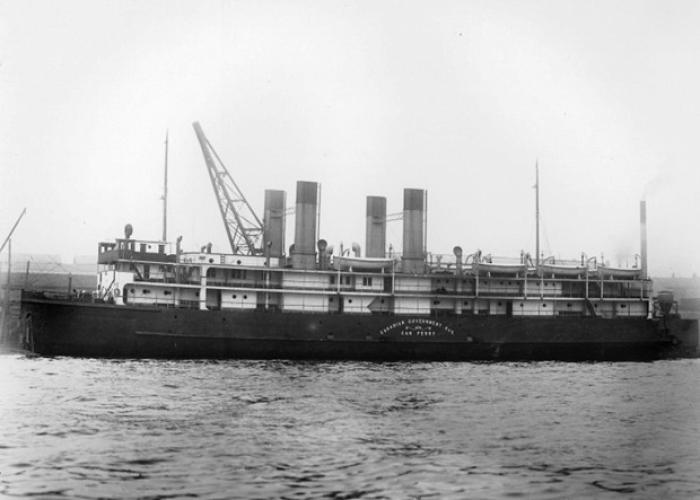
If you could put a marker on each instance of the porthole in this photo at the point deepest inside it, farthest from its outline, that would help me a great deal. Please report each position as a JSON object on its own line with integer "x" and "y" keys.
{"x": 521, "y": 305}
{"x": 167, "y": 292}
{"x": 568, "y": 305}
{"x": 349, "y": 301}
{"x": 234, "y": 296}
{"x": 238, "y": 262}
{"x": 499, "y": 304}
{"x": 544, "y": 305}
{"x": 245, "y": 297}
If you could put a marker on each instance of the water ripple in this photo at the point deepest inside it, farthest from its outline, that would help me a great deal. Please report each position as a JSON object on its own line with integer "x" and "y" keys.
{"x": 82, "y": 428}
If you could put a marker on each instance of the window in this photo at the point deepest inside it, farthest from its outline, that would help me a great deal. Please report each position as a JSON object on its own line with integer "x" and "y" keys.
{"x": 145, "y": 292}
{"x": 332, "y": 280}
{"x": 366, "y": 281}
{"x": 167, "y": 292}
{"x": 347, "y": 280}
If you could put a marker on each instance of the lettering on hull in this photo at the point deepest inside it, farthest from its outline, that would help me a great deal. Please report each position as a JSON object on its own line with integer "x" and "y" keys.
{"x": 417, "y": 327}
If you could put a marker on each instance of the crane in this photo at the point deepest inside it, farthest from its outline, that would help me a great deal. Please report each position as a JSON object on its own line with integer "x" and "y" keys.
{"x": 12, "y": 230}
{"x": 243, "y": 226}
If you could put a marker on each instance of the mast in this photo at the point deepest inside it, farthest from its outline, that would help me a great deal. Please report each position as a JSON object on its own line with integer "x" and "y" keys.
{"x": 165, "y": 192}
{"x": 5, "y": 326}
{"x": 537, "y": 215}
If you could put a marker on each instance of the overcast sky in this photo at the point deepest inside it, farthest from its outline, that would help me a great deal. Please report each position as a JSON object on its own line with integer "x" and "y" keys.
{"x": 458, "y": 97}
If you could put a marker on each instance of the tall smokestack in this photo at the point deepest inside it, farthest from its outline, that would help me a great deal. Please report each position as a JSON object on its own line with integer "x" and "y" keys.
{"x": 375, "y": 240}
{"x": 274, "y": 221}
{"x": 643, "y": 235}
{"x": 414, "y": 230}
{"x": 304, "y": 256}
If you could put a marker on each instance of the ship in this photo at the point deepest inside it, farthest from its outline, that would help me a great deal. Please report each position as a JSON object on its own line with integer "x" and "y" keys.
{"x": 262, "y": 300}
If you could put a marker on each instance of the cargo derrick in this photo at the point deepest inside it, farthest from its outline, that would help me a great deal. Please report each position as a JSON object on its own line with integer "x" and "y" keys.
{"x": 243, "y": 226}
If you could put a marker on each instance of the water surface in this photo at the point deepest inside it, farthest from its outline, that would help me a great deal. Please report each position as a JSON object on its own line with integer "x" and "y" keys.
{"x": 83, "y": 428}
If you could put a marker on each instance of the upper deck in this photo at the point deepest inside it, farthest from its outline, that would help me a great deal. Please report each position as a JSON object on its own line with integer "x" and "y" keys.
{"x": 130, "y": 249}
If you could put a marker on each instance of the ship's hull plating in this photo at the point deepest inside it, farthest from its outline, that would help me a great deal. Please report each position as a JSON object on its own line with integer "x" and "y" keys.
{"x": 55, "y": 328}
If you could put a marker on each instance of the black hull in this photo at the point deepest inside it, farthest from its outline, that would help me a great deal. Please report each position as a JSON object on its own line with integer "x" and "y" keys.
{"x": 63, "y": 328}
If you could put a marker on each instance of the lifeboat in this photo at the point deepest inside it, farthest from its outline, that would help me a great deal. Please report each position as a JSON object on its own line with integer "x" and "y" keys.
{"x": 362, "y": 263}
{"x": 612, "y": 273}
{"x": 562, "y": 270}
{"x": 500, "y": 268}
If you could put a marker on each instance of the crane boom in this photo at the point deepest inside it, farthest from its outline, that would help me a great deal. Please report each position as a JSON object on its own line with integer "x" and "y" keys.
{"x": 243, "y": 226}
{"x": 24, "y": 211}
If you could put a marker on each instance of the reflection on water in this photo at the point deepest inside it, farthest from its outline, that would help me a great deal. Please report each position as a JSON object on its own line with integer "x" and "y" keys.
{"x": 213, "y": 429}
